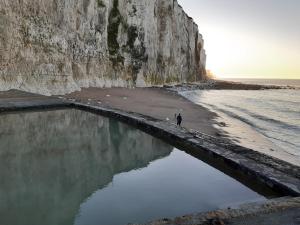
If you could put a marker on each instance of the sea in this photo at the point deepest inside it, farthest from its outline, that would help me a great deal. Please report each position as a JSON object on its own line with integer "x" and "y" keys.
{"x": 264, "y": 120}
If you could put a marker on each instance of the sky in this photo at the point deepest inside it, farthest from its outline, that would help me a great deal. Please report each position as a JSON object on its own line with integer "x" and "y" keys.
{"x": 249, "y": 38}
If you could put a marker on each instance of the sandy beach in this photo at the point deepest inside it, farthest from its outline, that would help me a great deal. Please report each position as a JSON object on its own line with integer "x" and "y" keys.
{"x": 162, "y": 104}
{"x": 154, "y": 102}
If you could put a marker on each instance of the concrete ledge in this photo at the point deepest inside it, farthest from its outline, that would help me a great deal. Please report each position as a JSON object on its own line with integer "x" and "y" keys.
{"x": 276, "y": 174}
{"x": 282, "y": 211}
{"x": 33, "y": 105}
{"x": 14, "y": 100}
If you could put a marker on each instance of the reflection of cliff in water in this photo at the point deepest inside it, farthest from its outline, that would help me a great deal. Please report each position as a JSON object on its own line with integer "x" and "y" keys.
{"x": 50, "y": 162}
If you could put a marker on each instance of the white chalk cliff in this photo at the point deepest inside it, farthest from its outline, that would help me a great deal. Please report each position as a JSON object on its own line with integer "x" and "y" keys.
{"x": 59, "y": 46}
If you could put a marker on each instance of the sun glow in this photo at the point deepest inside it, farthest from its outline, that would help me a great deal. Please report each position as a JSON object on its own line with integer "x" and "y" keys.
{"x": 243, "y": 55}
{"x": 249, "y": 39}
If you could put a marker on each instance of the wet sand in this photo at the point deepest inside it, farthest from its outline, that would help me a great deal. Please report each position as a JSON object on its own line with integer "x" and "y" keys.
{"x": 154, "y": 102}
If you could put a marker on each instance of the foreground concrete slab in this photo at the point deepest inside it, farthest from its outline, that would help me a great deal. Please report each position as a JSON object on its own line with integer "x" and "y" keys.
{"x": 15, "y": 100}
{"x": 282, "y": 211}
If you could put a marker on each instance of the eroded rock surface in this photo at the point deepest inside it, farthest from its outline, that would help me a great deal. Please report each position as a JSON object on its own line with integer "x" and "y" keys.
{"x": 59, "y": 46}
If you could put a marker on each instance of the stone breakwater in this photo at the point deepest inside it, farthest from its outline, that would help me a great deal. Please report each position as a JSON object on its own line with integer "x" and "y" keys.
{"x": 58, "y": 46}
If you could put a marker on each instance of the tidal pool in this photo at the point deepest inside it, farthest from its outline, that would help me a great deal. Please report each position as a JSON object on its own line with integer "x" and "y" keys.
{"x": 69, "y": 167}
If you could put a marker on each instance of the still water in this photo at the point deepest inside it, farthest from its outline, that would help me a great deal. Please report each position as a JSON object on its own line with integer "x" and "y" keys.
{"x": 70, "y": 167}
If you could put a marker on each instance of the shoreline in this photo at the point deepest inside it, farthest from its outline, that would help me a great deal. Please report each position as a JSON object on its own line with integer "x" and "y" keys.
{"x": 226, "y": 85}
{"x": 239, "y": 131}
{"x": 163, "y": 103}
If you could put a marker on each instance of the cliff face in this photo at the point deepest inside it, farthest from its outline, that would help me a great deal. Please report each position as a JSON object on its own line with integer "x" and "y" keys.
{"x": 58, "y": 46}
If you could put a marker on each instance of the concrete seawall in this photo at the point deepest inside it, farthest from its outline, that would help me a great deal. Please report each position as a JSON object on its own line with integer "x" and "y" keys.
{"x": 278, "y": 175}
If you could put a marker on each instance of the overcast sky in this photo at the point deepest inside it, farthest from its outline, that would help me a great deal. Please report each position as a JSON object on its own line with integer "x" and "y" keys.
{"x": 249, "y": 38}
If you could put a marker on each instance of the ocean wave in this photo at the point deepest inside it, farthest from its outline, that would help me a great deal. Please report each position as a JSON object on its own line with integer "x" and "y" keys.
{"x": 262, "y": 117}
{"x": 274, "y": 114}
{"x": 278, "y": 140}
{"x": 231, "y": 114}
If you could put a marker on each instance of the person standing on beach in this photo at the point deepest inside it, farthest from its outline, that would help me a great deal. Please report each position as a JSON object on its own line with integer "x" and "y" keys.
{"x": 179, "y": 119}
